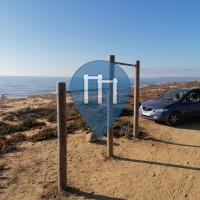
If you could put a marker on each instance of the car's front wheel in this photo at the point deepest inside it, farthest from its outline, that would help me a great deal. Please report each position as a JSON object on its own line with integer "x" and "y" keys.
{"x": 174, "y": 119}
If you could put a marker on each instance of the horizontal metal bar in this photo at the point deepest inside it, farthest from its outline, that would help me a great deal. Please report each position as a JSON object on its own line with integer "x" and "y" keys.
{"x": 119, "y": 63}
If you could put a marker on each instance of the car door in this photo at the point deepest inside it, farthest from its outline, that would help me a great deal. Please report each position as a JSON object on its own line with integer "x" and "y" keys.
{"x": 198, "y": 108}
{"x": 191, "y": 104}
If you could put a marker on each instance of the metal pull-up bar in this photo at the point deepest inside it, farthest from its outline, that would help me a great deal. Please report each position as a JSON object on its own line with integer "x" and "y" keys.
{"x": 126, "y": 64}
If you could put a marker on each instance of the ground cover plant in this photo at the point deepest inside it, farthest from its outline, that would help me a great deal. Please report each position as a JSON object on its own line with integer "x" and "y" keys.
{"x": 25, "y": 125}
{"x": 28, "y": 113}
{"x": 10, "y": 143}
{"x": 44, "y": 134}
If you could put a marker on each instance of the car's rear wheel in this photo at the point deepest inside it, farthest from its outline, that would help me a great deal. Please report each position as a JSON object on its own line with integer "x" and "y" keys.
{"x": 174, "y": 119}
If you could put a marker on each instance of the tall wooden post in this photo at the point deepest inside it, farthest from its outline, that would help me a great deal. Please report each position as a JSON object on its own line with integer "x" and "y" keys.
{"x": 110, "y": 108}
{"x": 62, "y": 136}
{"x": 136, "y": 98}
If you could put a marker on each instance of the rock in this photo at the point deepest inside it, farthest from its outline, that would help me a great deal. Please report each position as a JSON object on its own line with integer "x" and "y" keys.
{"x": 3, "y": 97}
{"x": 91, "y": 137}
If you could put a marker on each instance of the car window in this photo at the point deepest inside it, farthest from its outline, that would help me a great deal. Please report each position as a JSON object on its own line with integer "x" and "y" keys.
{"x": 192, "y": 97}
{"x": 171, "y": 95}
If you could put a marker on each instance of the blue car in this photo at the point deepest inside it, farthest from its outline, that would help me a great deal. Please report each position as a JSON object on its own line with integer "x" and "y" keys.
{"x": 173, "y": 106}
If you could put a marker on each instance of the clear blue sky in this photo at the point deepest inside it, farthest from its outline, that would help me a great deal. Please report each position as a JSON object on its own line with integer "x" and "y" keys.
{"x": 55, "y": 37}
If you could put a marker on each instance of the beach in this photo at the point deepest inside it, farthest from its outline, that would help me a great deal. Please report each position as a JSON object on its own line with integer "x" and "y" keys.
{"x": 163, "y": 163}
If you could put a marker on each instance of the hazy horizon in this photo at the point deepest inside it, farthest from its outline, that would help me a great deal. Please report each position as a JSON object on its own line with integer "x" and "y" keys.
{"x": 128, "y": 76}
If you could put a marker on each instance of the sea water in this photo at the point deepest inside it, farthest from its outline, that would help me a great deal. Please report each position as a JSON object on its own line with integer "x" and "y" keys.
{"x": 23, "y": 86}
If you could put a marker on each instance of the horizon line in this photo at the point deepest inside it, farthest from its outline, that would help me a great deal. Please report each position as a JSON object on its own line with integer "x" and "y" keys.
{"x": 72, "y": 76}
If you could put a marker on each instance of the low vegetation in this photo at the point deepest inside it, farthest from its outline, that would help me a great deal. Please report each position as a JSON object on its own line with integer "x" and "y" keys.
{"x": 44, "y": 134}
{"x": 127, "y": 111}
{"x": 25, "y": 125}
{"x": 28, "y": 113}
{"x": 123, "y": 128}
{"x": 10, "y": 143}
{"x": 27, "y": 119}
{"x": 77, "y": 124}
{"x": 52, "y": 118}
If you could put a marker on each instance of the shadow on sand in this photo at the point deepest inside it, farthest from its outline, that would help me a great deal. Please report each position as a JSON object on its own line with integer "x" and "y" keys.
{"x": 2, "y": 178}
{"x": 87, "y": 195}
{"x": 190, "y": 124}
{"x": 104, "y": 142}
{"x": 171, "y": 143}
{"x": 157, "y": 163}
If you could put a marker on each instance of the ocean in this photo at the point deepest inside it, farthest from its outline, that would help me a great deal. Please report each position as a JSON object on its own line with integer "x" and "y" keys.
{"x": 23, "y": 86}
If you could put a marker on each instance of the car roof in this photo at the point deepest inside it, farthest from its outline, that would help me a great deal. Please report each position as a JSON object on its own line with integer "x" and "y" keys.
{"x": 185, "y": 89}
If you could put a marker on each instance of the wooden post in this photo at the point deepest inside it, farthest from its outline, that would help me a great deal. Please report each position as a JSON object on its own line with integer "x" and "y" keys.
{"x": 136, "y": 98}
{"x": 62, "y": 136}
{"x": 110, "y": 108}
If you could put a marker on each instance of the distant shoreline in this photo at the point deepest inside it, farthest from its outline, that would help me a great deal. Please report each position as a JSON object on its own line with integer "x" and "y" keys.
{"x": 22, "y": 87}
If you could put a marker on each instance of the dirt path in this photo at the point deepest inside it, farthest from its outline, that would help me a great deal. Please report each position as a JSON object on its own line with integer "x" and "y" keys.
{"x": 164, "y": 165}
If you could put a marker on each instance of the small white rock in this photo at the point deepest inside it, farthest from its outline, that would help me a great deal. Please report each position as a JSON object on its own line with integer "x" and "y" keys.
{"x": 91, "y": 137}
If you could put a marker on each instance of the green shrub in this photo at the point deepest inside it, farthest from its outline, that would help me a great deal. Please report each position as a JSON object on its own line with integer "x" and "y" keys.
{"x": 77, "y": 124}
{"x": 30, "y": 123}
{"x": 28, "y": 113}
{"x": 5, "y": 129}
{"x": 8, "y": 144}
{"x": 44, "y": 134}
{"x": 125, "y": 128}
{"x": 52, "y": 118}
{"x": 25, "y": 125}
{"x": 122, "y": 128}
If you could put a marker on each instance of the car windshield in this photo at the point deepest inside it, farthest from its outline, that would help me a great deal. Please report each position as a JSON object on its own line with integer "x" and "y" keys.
{"x": 172, "y": 95}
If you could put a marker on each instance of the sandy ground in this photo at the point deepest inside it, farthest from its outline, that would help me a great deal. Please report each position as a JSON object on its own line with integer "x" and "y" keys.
{"x": 163, "y": 165}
